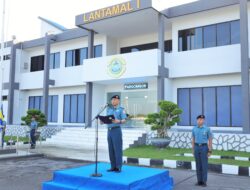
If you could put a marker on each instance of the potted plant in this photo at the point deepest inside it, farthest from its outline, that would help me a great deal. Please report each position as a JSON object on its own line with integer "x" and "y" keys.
{"x": 162, "y": 121}
{"x": 40, "y": 118}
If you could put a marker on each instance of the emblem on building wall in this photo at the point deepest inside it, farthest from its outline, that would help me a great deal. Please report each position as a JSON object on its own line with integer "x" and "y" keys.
{"x": 116, "y": 67}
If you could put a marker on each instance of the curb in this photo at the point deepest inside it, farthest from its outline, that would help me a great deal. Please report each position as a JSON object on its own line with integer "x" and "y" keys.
{"x": 174, "y": 164}
{"x": 220, "y": 157}
{"x": 22, "y": 156}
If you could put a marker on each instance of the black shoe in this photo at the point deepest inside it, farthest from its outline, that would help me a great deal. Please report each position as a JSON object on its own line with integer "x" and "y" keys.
{"x": 111, "y": 170}
{"x": 199, "y": 183}
{"x": 118, "y": 170}
{"x": 204, "y": 184}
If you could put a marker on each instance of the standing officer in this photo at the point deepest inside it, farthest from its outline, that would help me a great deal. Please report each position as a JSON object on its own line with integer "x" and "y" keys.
{"x": 115, "y": 134}
{"x": 3, "y": 132}
{"x": 33, "y": 128}
{"x": 202, "y": 149}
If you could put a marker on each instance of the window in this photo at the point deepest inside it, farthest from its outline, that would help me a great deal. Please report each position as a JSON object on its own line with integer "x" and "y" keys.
{"x": 6, "y": 57}
{"x": 196, "y": 104}
{"x": 69, "y": 58}
{"x": 223, "y": 106}
{"x": 220, "y": 105}
{"x": 168, "y": 46}
{"x": 209, "y": 36}
{"x": 209, "y": 105}
{"x": 235, "y": 32}
{"x": 4, "y": 98}
{"x": 74, "y": 108}
{"x": 190, "y": 39}
{"x": 236, "y": 105}
{"x": 209, "y": 33}
{"x": 55, "y": 60}
{"x": 53, "y": 109}
{"x": 98, "y": 51}
{"x": 143, "y": 47}
{"x": 36, "y": 102}
{"x": 76, "y": 57}
{"x": 37, "y": 63}
{"x": 184, "y": 103}
{"x": 223, "y": 34}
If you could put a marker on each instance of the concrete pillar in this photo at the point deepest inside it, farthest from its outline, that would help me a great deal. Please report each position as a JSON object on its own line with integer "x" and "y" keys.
{"x": 89, "y": 85}
{"x": 11, "y": 84}
{"x": 161, "y": 47}
{"x": 46, "y": 81}
{"x": 245, "y": 66}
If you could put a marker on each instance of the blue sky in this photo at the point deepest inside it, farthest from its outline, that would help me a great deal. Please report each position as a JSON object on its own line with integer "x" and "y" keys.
{"x": 21, "y": 15}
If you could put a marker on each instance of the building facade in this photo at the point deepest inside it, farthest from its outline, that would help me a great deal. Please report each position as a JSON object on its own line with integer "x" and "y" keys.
{"x": 195, "y": 55}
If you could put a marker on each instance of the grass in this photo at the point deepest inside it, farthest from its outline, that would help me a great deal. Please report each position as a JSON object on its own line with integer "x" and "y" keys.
{"x": 170, "y": 154}
{"x": 21, "y": 139}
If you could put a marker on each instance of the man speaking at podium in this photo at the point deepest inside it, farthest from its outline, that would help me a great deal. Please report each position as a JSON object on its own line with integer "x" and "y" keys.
{"x": 115, "y": 134}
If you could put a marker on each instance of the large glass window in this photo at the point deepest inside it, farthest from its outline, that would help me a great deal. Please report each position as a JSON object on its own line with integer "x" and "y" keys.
{"x": 235, "y": 32}
{"x": 55, "y": 60}
{"x": 197, "y": 38}
{"x": 148, "y": 46}
{"x": 223, "y": 34}
{"x": 190, "y": 39}
{"x": 196, "y": 104}
{"x": 209, "y": 36}
{"x": 209, "y": 105}
{"x": 221, "y": 105}
{"x": 236, "y": 99}
{"x": 98, "y": 51}
{"x": 74, "y": 108}
{"x": 37, "y": 63}
{"x": 69, "y": 58}
{"x": 77, "y": 56}
{"x": 36, "y": 102}
{"x": 184, "y": 103}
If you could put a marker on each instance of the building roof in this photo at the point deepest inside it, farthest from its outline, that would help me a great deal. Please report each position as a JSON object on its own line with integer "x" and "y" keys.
{"x": 197, "y": 6}
{"x": 54, "y": 24}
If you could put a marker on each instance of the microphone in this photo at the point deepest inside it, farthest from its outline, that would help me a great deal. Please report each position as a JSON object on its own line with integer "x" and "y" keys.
{"x": 107, "y": 105}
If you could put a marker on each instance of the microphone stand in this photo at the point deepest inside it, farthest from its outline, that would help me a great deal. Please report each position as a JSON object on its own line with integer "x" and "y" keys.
{"x": 96, "y": 174}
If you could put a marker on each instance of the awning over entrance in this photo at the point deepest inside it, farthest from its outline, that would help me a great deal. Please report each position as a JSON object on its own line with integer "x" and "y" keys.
{"x": 130, "y": 18}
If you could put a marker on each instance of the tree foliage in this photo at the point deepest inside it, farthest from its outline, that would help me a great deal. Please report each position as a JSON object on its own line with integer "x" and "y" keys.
{"x": 168, "y": 116}
{"x": 40, "y": 118}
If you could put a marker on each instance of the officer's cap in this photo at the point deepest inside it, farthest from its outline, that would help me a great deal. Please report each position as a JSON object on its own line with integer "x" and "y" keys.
{"x": 201, "y": 117}
{"x": 115, "y": 97}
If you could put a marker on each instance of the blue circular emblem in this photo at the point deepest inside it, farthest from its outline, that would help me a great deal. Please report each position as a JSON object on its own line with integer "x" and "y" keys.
{"x": 116, "y": 67}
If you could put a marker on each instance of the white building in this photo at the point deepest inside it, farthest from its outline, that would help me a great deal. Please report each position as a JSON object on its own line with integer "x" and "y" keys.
{"x": 121, "y": 50}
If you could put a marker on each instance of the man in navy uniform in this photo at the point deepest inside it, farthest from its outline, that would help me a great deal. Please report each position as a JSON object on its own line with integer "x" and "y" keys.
{"x": 115, "y": 134}
{"x": 33, "y": 128}
{"x": 202, "y": 149}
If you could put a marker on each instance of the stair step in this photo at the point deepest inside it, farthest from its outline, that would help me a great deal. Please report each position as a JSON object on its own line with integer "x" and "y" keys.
{"x": 80, "y": 137}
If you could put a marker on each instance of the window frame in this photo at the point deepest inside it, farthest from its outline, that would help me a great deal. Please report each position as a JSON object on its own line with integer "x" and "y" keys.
{"x": 180, "y": 38}
{"x": 216, "y": 97}
{"x": 70, "y": 105}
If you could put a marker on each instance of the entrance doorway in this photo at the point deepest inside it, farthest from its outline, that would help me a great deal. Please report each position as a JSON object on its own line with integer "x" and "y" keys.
{"x": 137, "y": 105}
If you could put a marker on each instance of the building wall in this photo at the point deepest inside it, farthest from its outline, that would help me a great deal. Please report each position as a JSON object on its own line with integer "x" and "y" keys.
{"x": 217, "y": 66}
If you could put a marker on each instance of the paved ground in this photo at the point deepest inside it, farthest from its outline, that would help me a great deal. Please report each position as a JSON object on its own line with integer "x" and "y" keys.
{"x": 29, "y": 173}
{"x": 79, "y": 153}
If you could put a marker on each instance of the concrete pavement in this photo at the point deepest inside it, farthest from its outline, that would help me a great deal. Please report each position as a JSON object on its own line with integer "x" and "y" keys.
{"x": 29, "y": 173}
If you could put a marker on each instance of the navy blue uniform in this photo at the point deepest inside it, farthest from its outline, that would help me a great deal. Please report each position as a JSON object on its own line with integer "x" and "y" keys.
{"x": 115, "y": 137}
{"x": 201, "y": 136}
{"x": 33, "y": 128}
